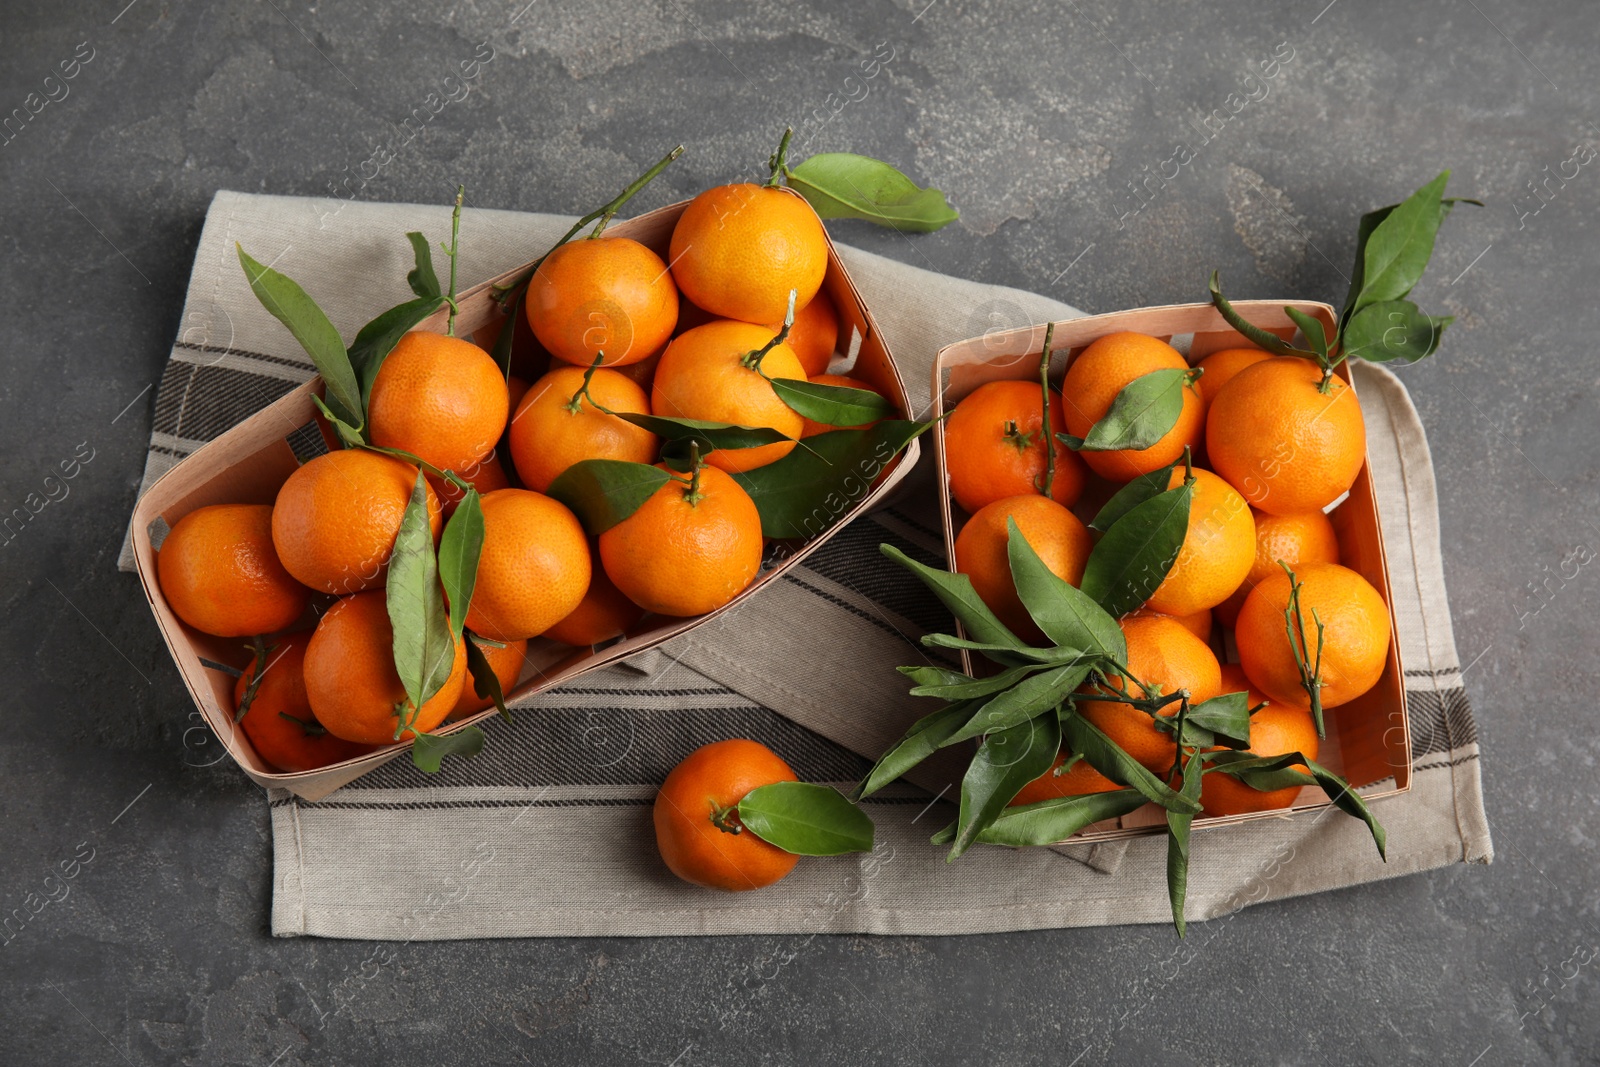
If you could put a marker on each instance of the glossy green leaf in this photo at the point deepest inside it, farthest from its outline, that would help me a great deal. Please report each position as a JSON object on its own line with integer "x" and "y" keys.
{"x": 1134, "y": 556}
{"x": 806, "y": 819}
{"x": 1131, "y": 496}
{"x": 1144, "y": 411}
{"x": 1029, "y": 697}
{"x": 1315, "y": 335}
{"x": 1369, "y": 223}
{"x": 1398, "y": 249}
{"x": 1004, "y": 655}
{"x": 485, "y": 683}
{"x": 1067, "y": 615}
{"x": 956, "y": 593}
{"x": 1050, "y": 822}
{"x": 833, "y": 405}
{"x": 603, "y": 492}
{"x": 377, "y": 338}
{"x": 1005, "y": 762}
{"x": 1350, "y": 802}
{"x": 459, "y": 548}
{"x": 1264, "y": 773}
{"x": 1105, "y": 756}
{"x": 952, "y": 685}
{"x": 429, "y": 750}
{"x": 1264, "y": 339}
{"x": 842, "y": 185}
{"x": 1226, "y": 716}
{"x": 1178, "y": 826}
{"x": 422, "y": 279}
{"x": 1394, "y": 330}
{"x": 347, "y": 434}
{"x": 709, "y": 435}
{"x": 925, "y": 737}
{"x": 811, "y": 488}
{"x": 424, "y": 649}
{"x": 289, "y": 304}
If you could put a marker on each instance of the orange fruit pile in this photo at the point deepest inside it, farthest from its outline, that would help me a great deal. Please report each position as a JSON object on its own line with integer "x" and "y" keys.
{"x": 631, "y": 334}
{"x": 1272, "y": 448}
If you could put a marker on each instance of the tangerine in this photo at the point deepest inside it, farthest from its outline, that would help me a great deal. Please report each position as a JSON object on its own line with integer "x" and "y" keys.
{"x": 1307, "y": 537}
{"x": 221, "y": 575}
{"x": 505, "y": 659}
{"x": 605, "y": 612}
{"x": 336, "y": 517}
{"x": 597, "y": 295}
{"x": 697, "y": 827}
{"x": 440, "y": 398}
{"x": 1217, "y": 549}
{"x": 993, "y": 447}
{"x": 556, "y": 426}
{"x": 1103, "y": 370}
{"x": 707, "y": 374}
{"x": 1275, "y": 730}
{"x": 350, "y": 677}
{"x": 982, "y": 553}
{"x": 533, "y": 569}
{"x": 279, "y": 722}
{"x": 738, "y": 250}
{"x": 1166, "y": 657}
{"x": 1355, "y": 640}
{"x": 689, "y": 549}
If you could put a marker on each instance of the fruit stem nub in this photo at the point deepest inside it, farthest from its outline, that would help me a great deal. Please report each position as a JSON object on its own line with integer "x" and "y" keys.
{"x": 753, "y": 358}
{"x": 722, "y": 817}
{"x": 693, "y": 495}
{"x": 1044, "y": 424}
{"x": 777, "y": 163}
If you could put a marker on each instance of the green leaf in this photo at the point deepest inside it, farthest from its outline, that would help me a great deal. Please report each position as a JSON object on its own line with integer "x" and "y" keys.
{"x": 1178, "y": 826}
{"x": 811, "y": 488}
{"x": 832, "y": 405}
{"x": 603, "y": 492}
{"x": 459, "y": 548}
{"x": 1393, "y": 330}
{"x": 1134, "y": 556}
{"x": 1350, "y": 802}
{"x": 925, "y": 737}
{"x": 485, "y": 683}
{"x": 1263, "y": 773}
{"x": 377, "y": 339}
{"x": 348, "y": 434}
{"x": 710, "y": 435}
{"x": 1005, "y": 655}
{"x": 1253, "y": 333}
{"x": 1144, "y": 411}
{"x": 1369, "y": 223}
{"x": 806, "y": 819}
{"x": 429, "y": 750}
{"x": 1049, "y": 822}
{"x": 508, "y": 331}
{"x": 289, "y": 304}
{"x": 953, "y": 685}
{"x": 423, "y": 281}
{"x": 1004, "y": 763}
{"x": 1397, "y": 250}
{"x": 841, "y": 185}
{"x": 1024, "y": 700}
{"x": 1226, "y": 716}
{"x": 424, "y": 649}
{"x": 956, "y": 593}
{"x": 1105, "y": 756}
{"x": 1316, "y": 336}
{"x": 1066, "y": 614}
{"x": 1131, "y": 496}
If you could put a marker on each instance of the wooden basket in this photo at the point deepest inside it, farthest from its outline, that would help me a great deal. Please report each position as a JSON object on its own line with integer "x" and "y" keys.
{"x": 250, "y": 462}
{"x": 1368, "y": 740}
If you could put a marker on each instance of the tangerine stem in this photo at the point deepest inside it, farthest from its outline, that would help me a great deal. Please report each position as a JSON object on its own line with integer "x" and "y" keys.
{"x": 1044, "y": 425}
{"x": 502, "y": 293}
{"x": 1310, "y": 668}
{"x": 263, "y": 650}
{"x": 722, "y": 817}
{"x": 455, "y": 244}
{"x": 777, "y": 163}
{"x": 693, "y": 495}
{"x": 753, "y": 358}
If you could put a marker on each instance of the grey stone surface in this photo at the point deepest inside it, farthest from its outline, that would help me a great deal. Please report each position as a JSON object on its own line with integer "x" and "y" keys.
{"x": 1034, "y": 118}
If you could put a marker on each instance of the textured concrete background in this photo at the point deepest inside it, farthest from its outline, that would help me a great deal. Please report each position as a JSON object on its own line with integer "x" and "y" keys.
{"x": 1034, "y": 118}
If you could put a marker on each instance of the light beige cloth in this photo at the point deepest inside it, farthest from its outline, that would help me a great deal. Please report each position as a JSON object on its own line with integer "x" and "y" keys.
{"x": 548, "y": 832}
